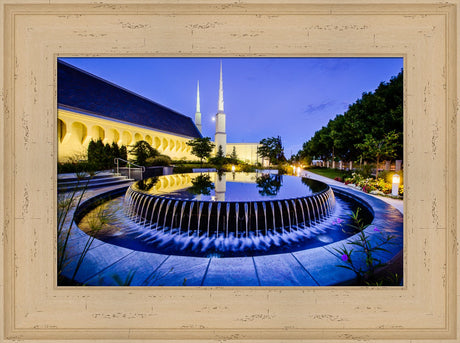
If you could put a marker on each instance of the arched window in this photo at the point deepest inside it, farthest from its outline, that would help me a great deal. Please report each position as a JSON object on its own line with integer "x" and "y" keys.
{"x": 97, "y": 133}
{"x": 79, "y": 132}
{"x": 157, "y": 143}
{"x": 62, "y": 130}
{"x": 113, "y": 135}
{"x": 138, "y": 137}
{"x": 126, "y": 138}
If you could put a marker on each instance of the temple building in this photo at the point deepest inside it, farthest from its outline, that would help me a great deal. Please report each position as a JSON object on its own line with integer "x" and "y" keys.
{"x": 90, "y": 108}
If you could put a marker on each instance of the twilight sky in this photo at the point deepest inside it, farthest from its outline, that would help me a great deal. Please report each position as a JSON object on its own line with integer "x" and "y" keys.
{"x": 263, "y": 97}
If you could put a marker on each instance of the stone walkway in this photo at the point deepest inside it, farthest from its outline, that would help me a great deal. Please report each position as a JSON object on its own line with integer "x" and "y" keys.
{"x": 397, "y": 203}
{"x": 110, "y": 265}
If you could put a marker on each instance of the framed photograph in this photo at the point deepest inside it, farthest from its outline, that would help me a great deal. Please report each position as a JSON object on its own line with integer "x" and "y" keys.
{"x": 265, "y": 205}
{"x": 202, "y": 262}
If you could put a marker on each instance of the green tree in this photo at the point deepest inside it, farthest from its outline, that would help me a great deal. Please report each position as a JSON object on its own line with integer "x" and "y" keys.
{"x": 96, "y": 153}
{"x": 92, "y": 151}
{"x": 375, "y": 113}
{"x": 220, "y": 158}
{"x": 271, "y": 148}
{"x": 268, "y": 185}
{"x": 376, "y": 149}
{"x": 220, "y": 152}
{"x": 201, "y": 184}
{"x": 123, "y": 153}
{"x": 201, "y": 147}
{"x": 99, "y": 150}
{"x": 234, "y": 156}
{"x": 118, "y": 152}
{"x": 107, "y": 155}
{"x": 115, "y": 150}
{"x": 142, "y": 150}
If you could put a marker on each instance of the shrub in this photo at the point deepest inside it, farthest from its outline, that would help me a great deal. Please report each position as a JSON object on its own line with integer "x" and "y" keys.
{"x": 367, "y": 188}
{"x": 161, "y": 160}
{"x": 188, "y": 167}
{"x": 283, "y": 169}
{"x": 365, "y": 170}
{"x": 182, "y": 160}
{"x": 76, "y": 167}
{"x": 179, "y": 169}
{"x": 102, "y": 156}
{"x": 142, "y": 150}
{"x": 247, "y": 168}
{"x": 383, "y": 186}
{"x": 370, "y": 184}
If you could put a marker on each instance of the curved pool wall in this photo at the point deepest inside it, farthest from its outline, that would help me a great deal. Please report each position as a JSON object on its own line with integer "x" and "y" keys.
{"x": 227, "y": 218}
{"x": 311, "y": 267}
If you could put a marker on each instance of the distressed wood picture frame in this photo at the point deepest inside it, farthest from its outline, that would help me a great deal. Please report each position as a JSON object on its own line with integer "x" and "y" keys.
{"x": 35, "y": 34}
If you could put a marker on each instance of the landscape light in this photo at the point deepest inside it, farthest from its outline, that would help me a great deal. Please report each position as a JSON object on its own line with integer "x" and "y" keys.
{"x": 395, "y": 185}
{"x": 233, "y": 169}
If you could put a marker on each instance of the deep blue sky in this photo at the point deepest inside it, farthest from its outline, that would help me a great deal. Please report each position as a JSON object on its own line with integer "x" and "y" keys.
{"x": 263, "y": 97}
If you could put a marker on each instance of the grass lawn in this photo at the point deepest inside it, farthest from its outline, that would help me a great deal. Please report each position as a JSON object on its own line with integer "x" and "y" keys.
{"x": 330, "y": 173}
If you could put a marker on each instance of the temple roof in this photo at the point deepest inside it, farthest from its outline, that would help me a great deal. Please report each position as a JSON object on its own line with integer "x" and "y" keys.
{"x": 83, "y": 91}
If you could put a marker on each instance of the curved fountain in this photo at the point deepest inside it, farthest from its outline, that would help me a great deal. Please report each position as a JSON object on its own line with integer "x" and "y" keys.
{"x": 227, "y": 214}
{"x": 228, "y": 204}
{"x": 229, "y": 229}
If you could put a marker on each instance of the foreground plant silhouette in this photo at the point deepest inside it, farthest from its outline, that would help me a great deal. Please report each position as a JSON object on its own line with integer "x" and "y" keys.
{"x": 95, "y": 221}
{"x": 369, "y": 273}
{"x": 67, "y": 203}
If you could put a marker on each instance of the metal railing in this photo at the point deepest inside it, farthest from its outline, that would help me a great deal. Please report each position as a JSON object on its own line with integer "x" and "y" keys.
{"x": 117, "y": 161}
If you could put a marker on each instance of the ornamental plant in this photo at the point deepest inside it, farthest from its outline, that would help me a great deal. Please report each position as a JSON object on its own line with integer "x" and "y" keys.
{"x": 362, "y": 248}
{"x": 67, "y": 204}
{"x": 370, "y": 185}
{"x": 141, "y": 151}
{"x": 96, "y": 220}
{"x": 201, "y": 147}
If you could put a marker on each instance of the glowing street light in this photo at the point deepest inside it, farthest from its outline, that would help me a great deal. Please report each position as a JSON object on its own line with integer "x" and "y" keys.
{"x": 395, "y": 185}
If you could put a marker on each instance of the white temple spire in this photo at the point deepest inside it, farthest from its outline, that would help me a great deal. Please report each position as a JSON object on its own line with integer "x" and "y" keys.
{"x": 198, "y": 96}
{"x": 220, "y": 107}
{"x": 198, "y": 112}
{"x": 221, "y": 135}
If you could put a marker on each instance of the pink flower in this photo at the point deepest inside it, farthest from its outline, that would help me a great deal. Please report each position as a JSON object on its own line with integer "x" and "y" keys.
{"x": 344, "y": 257}
{"x": 337, "y": 221}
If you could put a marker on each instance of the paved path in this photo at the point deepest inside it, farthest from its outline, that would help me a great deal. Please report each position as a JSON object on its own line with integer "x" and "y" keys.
{"x": 396, "y": 203}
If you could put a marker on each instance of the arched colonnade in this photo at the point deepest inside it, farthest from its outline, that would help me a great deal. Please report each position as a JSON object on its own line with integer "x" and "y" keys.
{"x": 74, "y": 136}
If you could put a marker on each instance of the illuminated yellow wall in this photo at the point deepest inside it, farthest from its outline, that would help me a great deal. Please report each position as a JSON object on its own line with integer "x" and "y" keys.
{"x": 246, "y": 152}
{"x": 76, "y": 130}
